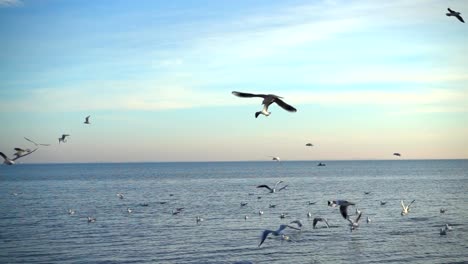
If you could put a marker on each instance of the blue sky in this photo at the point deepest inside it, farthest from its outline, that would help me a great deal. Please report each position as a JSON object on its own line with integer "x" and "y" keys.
{"x": 368, "y": 79}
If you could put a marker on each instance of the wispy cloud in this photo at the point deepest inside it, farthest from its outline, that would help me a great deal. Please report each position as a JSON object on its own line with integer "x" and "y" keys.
{"x": 10, "y": 3}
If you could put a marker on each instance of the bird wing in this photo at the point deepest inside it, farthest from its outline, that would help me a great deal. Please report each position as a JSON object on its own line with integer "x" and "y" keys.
{"x": 315, "y": 222}
{"x": 460, "y": 18}
{"x": 30, "y": 141}
{"x": 298, "y": 222}
{"x": 285, "y": 106}
{"x": 326, "y": 222}
{"x": 20, "y": 156}
{"x": 264, "y": 236}
{"x": 264, "y": 186}
{"x": 450, "y": 10}
{"x": 410, "y": 204}
{"x": 344, "y": 211}
{"x": 403, "y": 205}
{"x": 358, "y": 217}
{"x": 278, "y": 182}
{"x": 3, "y": 156}
{"x": 292, "y": 227}
{"x": 282, "y": 188}
{"x": 248, "y": 95}
{"x": 19, "y": 149}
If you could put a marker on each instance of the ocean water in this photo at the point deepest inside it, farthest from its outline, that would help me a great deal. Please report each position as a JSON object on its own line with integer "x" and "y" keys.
{"x": 36, "y": 228}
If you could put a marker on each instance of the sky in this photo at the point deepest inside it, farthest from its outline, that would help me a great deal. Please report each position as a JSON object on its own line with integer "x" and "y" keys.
{"x": 369, "y": 78}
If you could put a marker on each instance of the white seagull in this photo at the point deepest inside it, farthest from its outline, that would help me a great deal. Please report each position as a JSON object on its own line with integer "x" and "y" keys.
{"x": 278, "y": 232}
{"x": 87, "y": 120}
{"x": 71, "y": 211}
{"x": 63, "y": 138}
{"x": 354, "y": 224}
{"x": 9, "y": 161}
{"x": 405, "y": 209}
{"x": 91, "y": 219}
{"x": 319, "y": 219}
{"x": 199, "y": 220}
{"x": 120, "y": 195}
{"x": 129, "y": 210}
{"x": 273, "y": 190}
{"x": 268, "y": 99}
{"x": 455, "y": 14}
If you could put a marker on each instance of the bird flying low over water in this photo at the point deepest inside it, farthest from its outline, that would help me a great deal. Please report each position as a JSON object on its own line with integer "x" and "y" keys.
{"x": 9, "y": 161}
{"x": 397, "y": 154}
{"x": 405, "y": 209}
{"x": 272, "y": 190}
{"x": 309, "y": 145}
{"x": 455, "y": 14}
{"x": 268, "y": 99}
{"x": 87, "y": 120}
{"x": 275, "y": 233}
{"x": 275, "y": 158}
{"x": 343, "y": 206}
{"x": 63, "y": 138}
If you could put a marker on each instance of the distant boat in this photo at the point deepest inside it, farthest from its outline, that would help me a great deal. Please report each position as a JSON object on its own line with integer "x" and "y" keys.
{"x": 321, "y": 164}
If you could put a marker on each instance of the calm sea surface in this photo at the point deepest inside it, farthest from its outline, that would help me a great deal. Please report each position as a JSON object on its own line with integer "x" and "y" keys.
{"x": 36, "y": 228}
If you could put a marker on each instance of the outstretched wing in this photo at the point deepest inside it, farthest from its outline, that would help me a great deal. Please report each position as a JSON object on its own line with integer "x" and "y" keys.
{"x": 344, "y": 211}
{"x": 276, "y": 184}
{"x": 410, "y": 203}
{"x": 326, "y": 222}
{"x": 282, "y": 188}
{"x": 264, "y": 236}
{"x": 3, "y": 156}
{"x": 264, "y": 186}
{"x": 284, "y": 105}
{"x": 247, "y": 95}
{"x": 298, "y": 222}
{"x": 450, "y": 10}
{"x": 460, "y": 18}
{"x": 31, "y": 141}
{"x": 20, "y": 156}
{"x": 358, "y": 217}
{"x": 403, "y": 205}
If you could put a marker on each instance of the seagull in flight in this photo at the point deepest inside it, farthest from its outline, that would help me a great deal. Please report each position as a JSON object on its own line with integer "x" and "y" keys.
{"x": 9, "y": 161}
{"x": 355, "y": 224}
{"x": 20, "y": 151}
{"x": 343, "y": 206}
{"x": 63, "y": 138}
{"x": 406, "y": 209}
{"x": 268, "y": 99}
{"x": 455, "y": 14}
{"x": 319, "y": 219}
{"x": 275, "y": 158}
{"x": 36, "y": 144}
{"x": 87, "y": 120}
{"x": 273, "y": 190}
{"x": 309, "y": 145}
{"x": 397, "y": 154}
{"x": 275, "y": 233}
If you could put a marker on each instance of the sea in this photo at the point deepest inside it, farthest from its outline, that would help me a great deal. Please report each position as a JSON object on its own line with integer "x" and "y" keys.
{"x": 35, "y": 226}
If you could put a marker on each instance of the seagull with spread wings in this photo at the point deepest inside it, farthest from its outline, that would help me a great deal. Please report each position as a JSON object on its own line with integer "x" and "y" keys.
{"x": 455, "y": 14}
{"x": 9, "y": 161}
{"x": 273, "y": 190}
{"x": 405, "y": 209}
{"x": 275, "y": 233}
{"x": 268, "y": 99}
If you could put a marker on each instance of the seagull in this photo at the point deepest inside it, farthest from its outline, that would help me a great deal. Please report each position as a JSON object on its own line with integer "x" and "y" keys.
{"x": 243, "y": 204}
{"x": 268, "y": 99}
{"x": 245, "y": 218}
{"x": 272, "y": 206}
{"x": 383, "y": 203}
{"x": 282, "y": 215}
{"x": 443, "y": 210}
{"x": 199, "y": 220}
{"x": 87, "y": 120}
{"x": 275, "y": 158}
{"x": 405, "y": 209}
{"x": 9, "y": 161}
{"x": 368, "y": 220}
{"x": 63, "y": 138}
{"x": 120, "y": 195}
{"x": 448, "y": 228}
{"x": 443, "y": 231}
{"x": 129, "y": 210}
{"x": 355, "y": 224}
{"x": 367, "y": 193}
{"x": 309, "y": 145}
{"x": 278, "y": 232}
{"x": 397, "y": 154}
{"x": 455, "y": 14}
{"x": 274, "y": 188}
{"x": 91, "y": 219}
{"x": 71, "y": 211}
{"x": 144, "y": 204}
{"x": 176, "y": 211}
{"x": 311, "y": 203}
{"x": 343, "y": 206}
{"x": 36, "y": 144}
{"x": 260, "y": 213}
{"x": 319, "y": 219}
{"x": 309, "y": 214}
